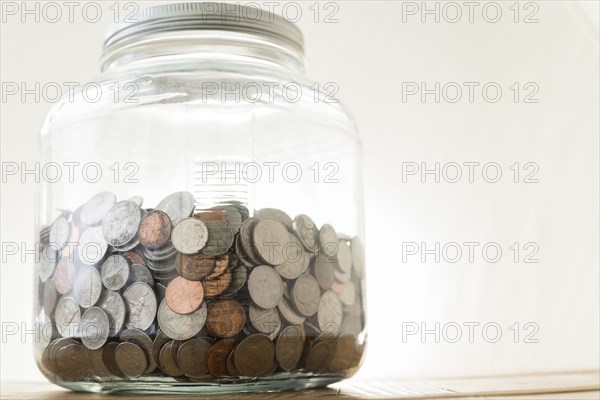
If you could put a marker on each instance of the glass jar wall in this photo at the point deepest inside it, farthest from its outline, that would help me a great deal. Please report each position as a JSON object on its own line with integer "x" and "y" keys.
{"x": 210, "y": 237}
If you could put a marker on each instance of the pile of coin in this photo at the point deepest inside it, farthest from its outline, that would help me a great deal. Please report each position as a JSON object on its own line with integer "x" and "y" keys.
{"x": 196, "y": 295}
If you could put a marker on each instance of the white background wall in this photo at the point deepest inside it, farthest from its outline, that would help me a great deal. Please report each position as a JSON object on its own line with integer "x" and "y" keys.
{"x": 369, "y": 53}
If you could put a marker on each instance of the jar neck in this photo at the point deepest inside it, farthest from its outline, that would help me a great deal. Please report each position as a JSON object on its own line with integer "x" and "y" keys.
{"x": 205, "y": 45}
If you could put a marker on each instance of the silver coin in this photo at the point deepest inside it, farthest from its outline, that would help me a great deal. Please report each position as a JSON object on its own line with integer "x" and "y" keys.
{"x": 49, "y": 295}
{"x": 115, "y": 272}
{"x": 265, "y": 286}
{"x": 344, "y": 256}
{"x": 128, "y": 246}
{"x": 94, "y": 328}
{"x": 67, "y": 316}
{"x": 239, "y": 276}
{"x": 279, "y": 215}
{"x": 161, "y": 291}
{"x": 114, "y": 306}
{"x": 121, "y": 223}
{"x": 220, "y": 238}
{"x": 269, "y": 238}
{"x": 350, "y": 327}
{"x": 342, "y": 277}
{"x": 358, "y": 256}
{"x": 87, "y": 286}
{"x": 141, "y": 273}
{"x": 180, "y": 326}
{"x": 264, "y": 321}
{"x": 295, "y": 263}
{"x": 92, "y": 246}
{"x": 287, "y": 311}
{"x": 348, "y": 295}
{"x": 307, "y": 232}
{"x": 59, "y": 232}
{"x": 167, "y": 265}
{"x": 139, "y": 200}
{"x": 234, "y": 218}
{"x": 48, "y": 260}
{"x": 328, "y": 240}
{"x": 161, "y": 254}
{"x": 178, "y": 206}
{"x": 141, "y": 302}
{"x": 189, "y": 236}
{"x": 306, "y": 295}
{"x": 246, "y": 239}
{"x": 329, "y": 315}
{"x": 96, "y": 208}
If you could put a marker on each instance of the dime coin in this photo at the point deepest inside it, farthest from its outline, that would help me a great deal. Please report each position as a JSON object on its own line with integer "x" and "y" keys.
{"x": 155, "y": 229}
{"x": 183, "y": 296}
{"x": 307, "y": 232}
{"x": 94, "y": 328}
{"x": 141, "y": 302}
{"x": 92, "y": 246}
{"x": 189, "y": 236}
{"x": 265, "y": 286}
{"x": 328, "y": 240}
{"x": 178, "y": 206}
{"x": 226, "y": 318}
{"x": 130, "y": 359}
{"x": 96, "y": 208}
{"x": 87, "y": 287}
{"x": 306, "y": 295}
{"x": 67, "y": 316}
{"x": 270, "y": 236}
{"x": 114, "y": 306}
{"x": 180, "y": 326}
{"x": 115, "y": 272}
{"x": 289, "y": 347}
{"x": 121, "y": 223}
{"x": 253, "y": 354}
{"x": 217, "y": 357}
{"x": 192, "y": 357}
{"x": 329, "y": 314}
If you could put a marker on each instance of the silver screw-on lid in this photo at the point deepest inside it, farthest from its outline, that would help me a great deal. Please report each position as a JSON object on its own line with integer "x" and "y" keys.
{"x": 205, "y": 16}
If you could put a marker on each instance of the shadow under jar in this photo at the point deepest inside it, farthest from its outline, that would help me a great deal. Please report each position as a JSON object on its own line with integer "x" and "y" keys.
{"x": 209, "y": 238}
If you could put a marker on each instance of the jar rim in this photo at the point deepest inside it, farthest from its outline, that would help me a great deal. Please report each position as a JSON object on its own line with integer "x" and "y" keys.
{"x": 208, "y": 16}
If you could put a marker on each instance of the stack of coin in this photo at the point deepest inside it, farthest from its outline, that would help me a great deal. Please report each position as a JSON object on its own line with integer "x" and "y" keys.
{"x": 196, "y": 295}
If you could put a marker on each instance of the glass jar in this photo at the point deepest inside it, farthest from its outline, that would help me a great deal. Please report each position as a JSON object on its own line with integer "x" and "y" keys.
{"x": 178, "y": 251}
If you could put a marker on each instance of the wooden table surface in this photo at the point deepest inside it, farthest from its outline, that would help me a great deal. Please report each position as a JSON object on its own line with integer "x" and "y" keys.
{"x": 560, "y": 385}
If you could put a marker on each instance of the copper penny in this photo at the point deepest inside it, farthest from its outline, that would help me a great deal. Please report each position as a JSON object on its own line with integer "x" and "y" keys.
{"x": 226, "y": 318}
{"x": 221, "y": 264}
{"x": 194, "y": 267}
{"x": 64, "y": 275}
{"x": 254, "y": 355}
{"x": 211, "y": 216}
{"x": 192, "y": 357}
{"x": 155, "y": 229}
{"x": 217, "y": 357}
{"x": 168, "y": 359}
{"x": 183, "y": 296}
{"x": 215, "y": 287}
